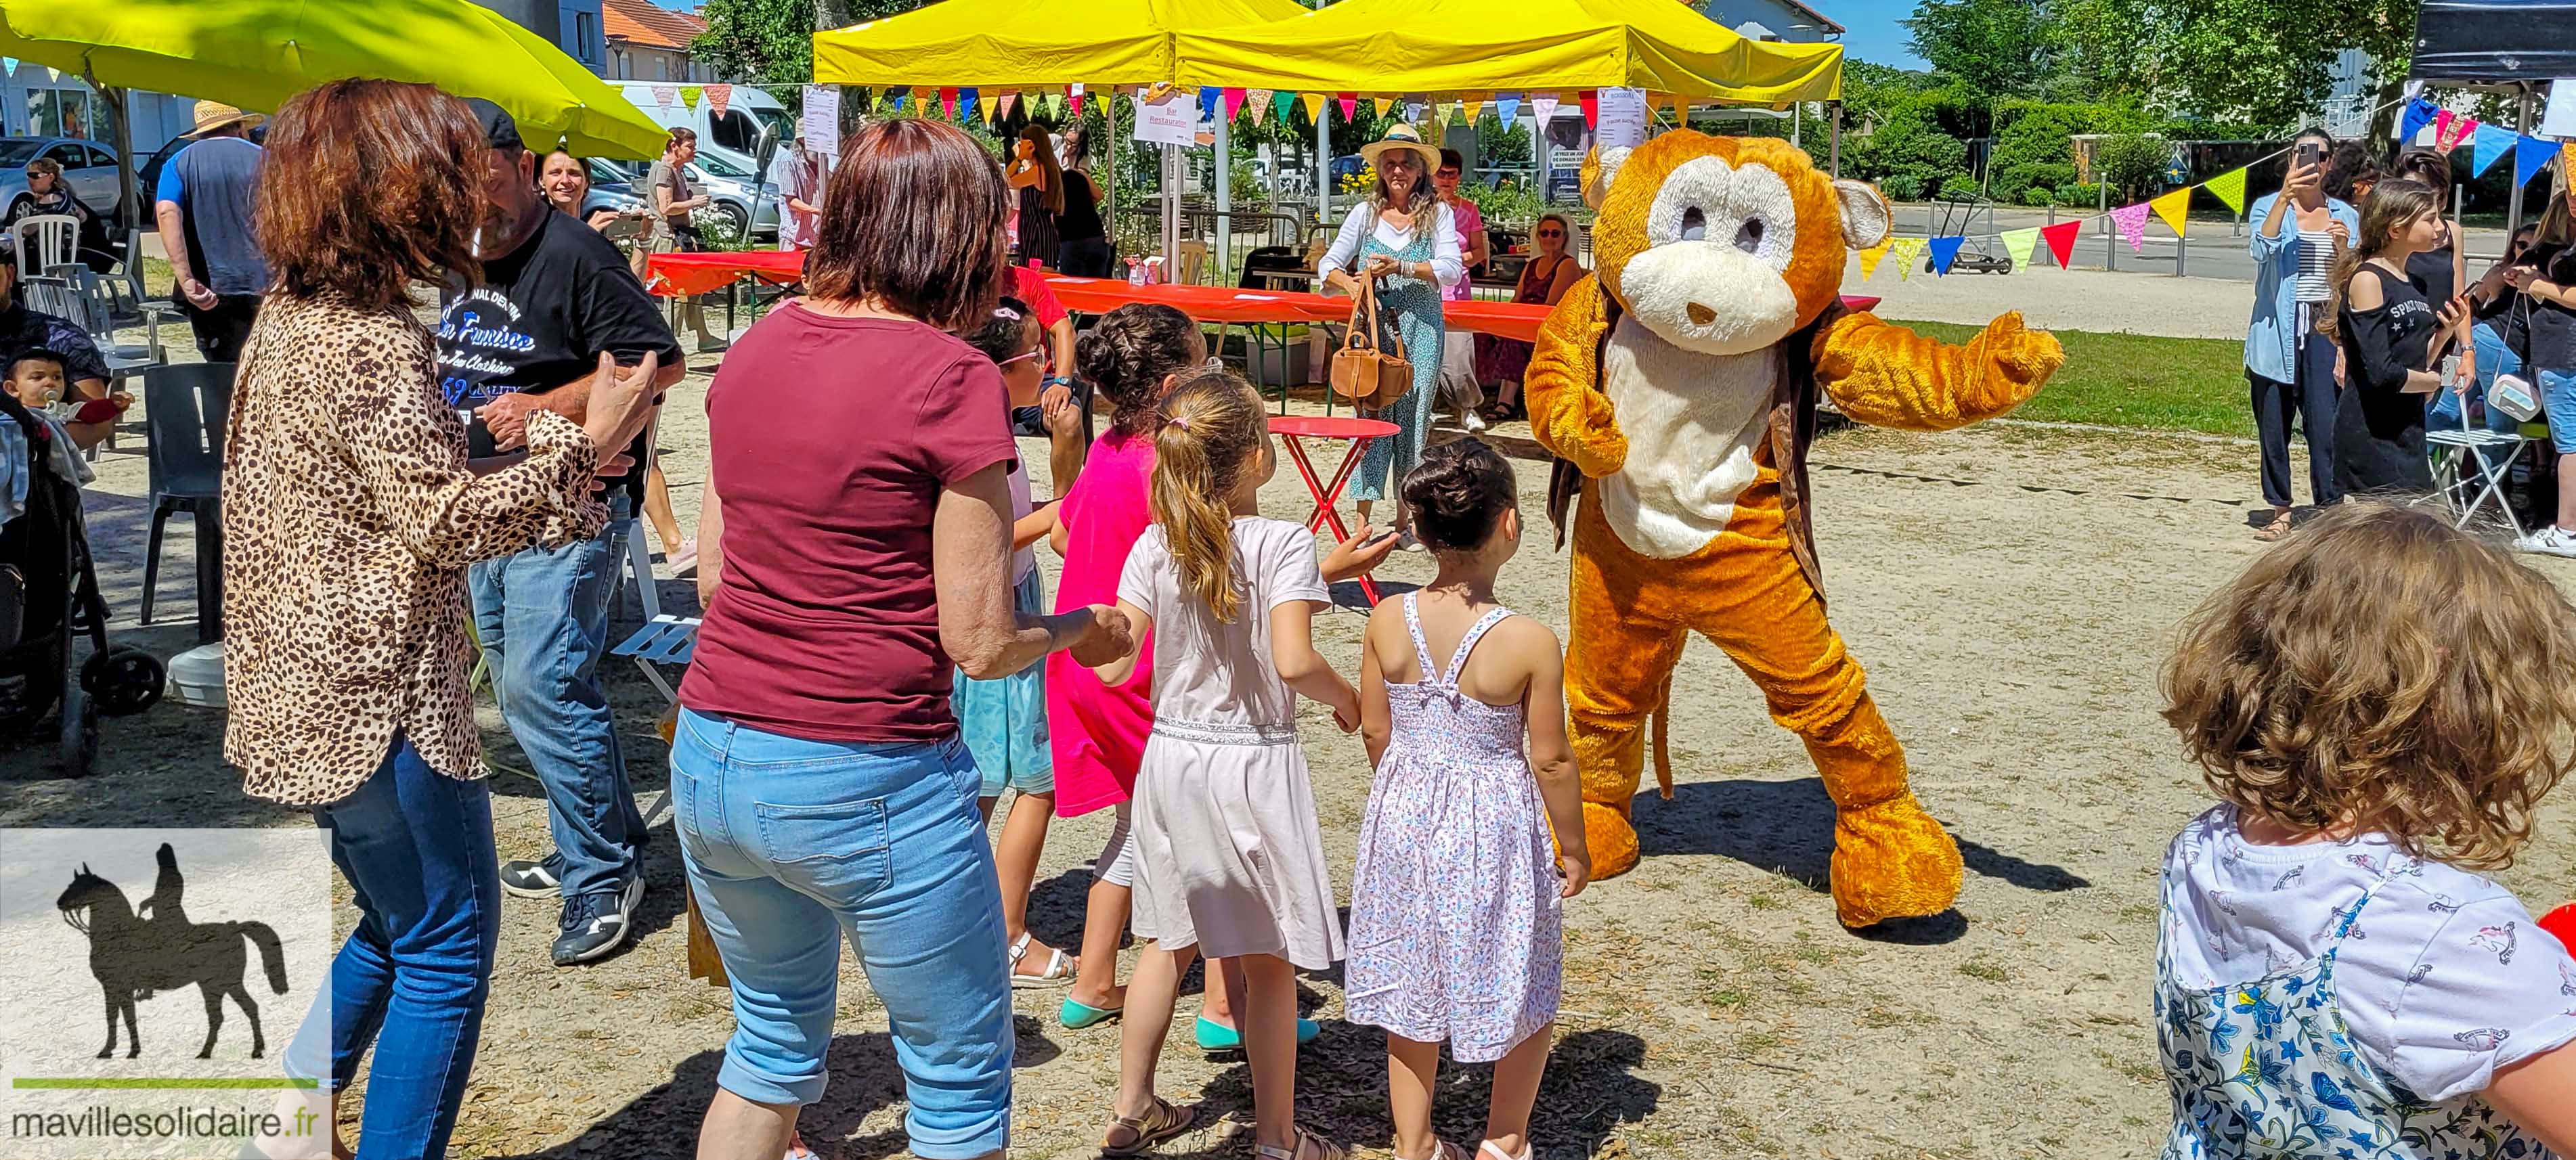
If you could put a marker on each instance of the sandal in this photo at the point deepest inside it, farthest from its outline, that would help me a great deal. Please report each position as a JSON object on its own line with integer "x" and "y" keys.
{"x": 1444, "y": 1150}
{"x": 1499, "y": 1154}
{"x": 1058, "y": 972}
{"x": 2279, "y": 527}
{"x": 1077, "y": 1016}
{"x": 1322, "y": 1149}
{"x": 796, "y": 1149}
{"x": 1159, "y": 1123}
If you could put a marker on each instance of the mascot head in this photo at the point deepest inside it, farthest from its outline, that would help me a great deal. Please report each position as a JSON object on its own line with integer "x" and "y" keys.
{"x": 1724, "y": 245}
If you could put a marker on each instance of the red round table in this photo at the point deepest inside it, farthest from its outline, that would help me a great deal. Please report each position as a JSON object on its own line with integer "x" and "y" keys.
{"x": 1291, "y": 429}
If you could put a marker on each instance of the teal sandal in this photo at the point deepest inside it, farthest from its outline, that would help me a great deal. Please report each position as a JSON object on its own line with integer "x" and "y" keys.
{"x": 1076, "y": 1016}
{"x": 1217, "y": 1039}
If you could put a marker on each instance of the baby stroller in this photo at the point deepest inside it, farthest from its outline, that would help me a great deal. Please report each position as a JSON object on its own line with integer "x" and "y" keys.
{"x": 48, "y": 594}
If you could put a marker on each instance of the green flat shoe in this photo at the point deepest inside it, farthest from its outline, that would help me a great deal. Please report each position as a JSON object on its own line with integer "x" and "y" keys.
{"x": 1076, "y": 1016}
{"x": 1217, "y": 1038}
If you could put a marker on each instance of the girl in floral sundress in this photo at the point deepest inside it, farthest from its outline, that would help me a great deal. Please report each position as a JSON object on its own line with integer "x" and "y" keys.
{"x": 1454, "y": 908}
{"x": 2380, "y": 703}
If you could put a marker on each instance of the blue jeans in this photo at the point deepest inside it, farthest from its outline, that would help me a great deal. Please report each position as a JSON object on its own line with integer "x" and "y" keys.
{"x": 2494, "y": 358}
{"x": 542, "y": 616}
{"x": 2558, "y": 402}
{"x": 416, "y": 848}
{"x": 793, "y": 845}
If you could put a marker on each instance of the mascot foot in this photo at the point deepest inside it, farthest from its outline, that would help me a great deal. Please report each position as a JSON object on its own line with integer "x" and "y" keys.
{"x": 1613, "y": 842}
{"x": 1891, "y": 860}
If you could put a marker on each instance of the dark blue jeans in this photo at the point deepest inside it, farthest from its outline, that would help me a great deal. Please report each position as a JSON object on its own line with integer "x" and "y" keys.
{"x": 416, "y": 848}
{"x": 2311, "y": 403}
{"x": 542, "y": 617}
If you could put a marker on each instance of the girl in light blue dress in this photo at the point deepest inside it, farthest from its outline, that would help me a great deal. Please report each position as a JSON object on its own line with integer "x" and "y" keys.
{"x": 2379, "y": 703}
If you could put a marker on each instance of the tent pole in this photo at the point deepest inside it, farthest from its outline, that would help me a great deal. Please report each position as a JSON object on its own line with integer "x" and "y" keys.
{"x": 2513, "y": 206}
{"x": 1171, "y": 213}
{"x": 1324, "y": 163}
{"x": 1834, "y": 153}
{"x": 1109, "y": 115}
{"x": 1224, "y": 193}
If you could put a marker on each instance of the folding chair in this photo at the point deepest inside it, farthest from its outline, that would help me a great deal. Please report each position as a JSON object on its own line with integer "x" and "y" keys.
{"x": 2470, "y": 467}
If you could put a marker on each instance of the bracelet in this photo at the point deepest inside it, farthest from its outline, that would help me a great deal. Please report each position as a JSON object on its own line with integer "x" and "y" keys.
{"x": 1049, "y": 623}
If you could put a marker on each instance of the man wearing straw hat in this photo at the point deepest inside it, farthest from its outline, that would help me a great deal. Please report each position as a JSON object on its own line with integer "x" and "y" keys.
{"x": 203, "y": 206}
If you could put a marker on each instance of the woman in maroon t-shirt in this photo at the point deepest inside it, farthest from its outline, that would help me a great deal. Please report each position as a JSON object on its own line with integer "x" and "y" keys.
{"x": 856, "y": 537}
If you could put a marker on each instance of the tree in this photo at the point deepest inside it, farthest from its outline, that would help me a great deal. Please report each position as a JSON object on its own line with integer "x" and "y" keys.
{"x": 1994, "y": 48}
{"x": 771, "y": 42}
{"x": 2267, "y": 62}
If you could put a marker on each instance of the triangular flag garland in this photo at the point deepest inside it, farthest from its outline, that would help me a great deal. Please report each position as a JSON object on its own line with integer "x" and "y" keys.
{"x": 1869, "y": 259}
{"x": 663, "y": 95}
{"x": 2419, "y": 113}
{"x": 1261, "y": 108}
{"x": 2530, "y": 156}
{"x": 1545, "y": 109}
{"x": 1233, "y": 103}
{"x": 690, "y": 95}
{"x": 1350, "y": 108}
{"x": 2174, "y": 208}
{"x": 1591, "y": 108}
{"x": 2132, "y": 220}
{"x": 2488, "y": 145}
{"x": 1468, "y": 108}
{"x": 966, "y": 102}
{"x": 2449, "y": 129}
{"x": 1209, "y": 99}
{"x": 1509, "y": 109}
{"x": 717, "y": 97}
{"x": 2061, "y": 240}
{"x": 1073, "y": 96}
{"x": 948, "y": 102}
{"x": 2019, "y": 243}
{"x": 1314, "y": 107}
{"x": 2228, "y": 187}
{"x": 1905, "y": 251}
{"x": 1944, "y": 252}
{"x": 1281, "y": 102}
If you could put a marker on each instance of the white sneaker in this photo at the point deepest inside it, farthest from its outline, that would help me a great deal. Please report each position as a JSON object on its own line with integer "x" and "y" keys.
{"x": 1472, "y": 421}
{"x": 2551, "y": 540}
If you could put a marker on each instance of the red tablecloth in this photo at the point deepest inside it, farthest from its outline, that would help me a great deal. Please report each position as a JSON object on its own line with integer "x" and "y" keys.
{"x": 701, "y": 273}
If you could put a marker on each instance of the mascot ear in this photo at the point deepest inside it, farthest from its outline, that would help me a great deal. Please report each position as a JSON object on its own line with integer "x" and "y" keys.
{"x": 1866, "y": 218}
{"x": 1600, "y": 167}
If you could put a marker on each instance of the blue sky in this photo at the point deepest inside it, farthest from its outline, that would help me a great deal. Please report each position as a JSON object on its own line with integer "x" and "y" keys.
{"x": 1874, "y": 35}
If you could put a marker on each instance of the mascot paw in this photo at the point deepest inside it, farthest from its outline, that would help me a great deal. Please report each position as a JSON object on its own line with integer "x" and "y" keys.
{"x": 2025, "y": 355}
{"x": 1612, "y": 840}
{"x": 1892, "y": 860}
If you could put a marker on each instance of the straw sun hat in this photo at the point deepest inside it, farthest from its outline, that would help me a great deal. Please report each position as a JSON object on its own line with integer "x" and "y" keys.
{"x": 213, "y": 115}
{"x": 1402, "y": 136}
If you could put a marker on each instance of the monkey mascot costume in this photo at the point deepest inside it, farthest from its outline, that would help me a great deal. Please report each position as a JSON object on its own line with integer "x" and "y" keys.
{"x": 1677, "y": 386}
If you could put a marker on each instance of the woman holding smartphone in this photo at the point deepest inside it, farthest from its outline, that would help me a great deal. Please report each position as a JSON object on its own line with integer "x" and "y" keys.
{"x": 2288, "y": 364}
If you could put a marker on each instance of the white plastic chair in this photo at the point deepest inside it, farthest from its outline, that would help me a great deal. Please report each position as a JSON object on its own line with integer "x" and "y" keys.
{"x": 2470, "y": 466}
{"x": 56, "y": 238}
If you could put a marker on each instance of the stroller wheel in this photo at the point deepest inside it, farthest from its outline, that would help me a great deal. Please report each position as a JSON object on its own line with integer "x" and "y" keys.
{"x": 80, "y": 732}
{"x": 124, "y": 680}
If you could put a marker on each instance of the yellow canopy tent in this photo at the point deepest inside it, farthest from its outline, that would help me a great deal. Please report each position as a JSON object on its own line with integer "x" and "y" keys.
{"x": 1003, "y": 44}
{"x": 1470, "y": 46}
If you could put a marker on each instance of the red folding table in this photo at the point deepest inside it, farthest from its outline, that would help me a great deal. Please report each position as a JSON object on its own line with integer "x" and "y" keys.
{"x": 1292, "y": 428}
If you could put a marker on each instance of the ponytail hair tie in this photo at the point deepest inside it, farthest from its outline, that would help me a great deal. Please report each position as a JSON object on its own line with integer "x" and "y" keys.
{"x": 1177, "y": 421}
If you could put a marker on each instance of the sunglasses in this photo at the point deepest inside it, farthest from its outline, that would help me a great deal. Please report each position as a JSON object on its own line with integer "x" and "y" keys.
{"x": 1551, "y": 233}
{"x": 1021, "y": 357}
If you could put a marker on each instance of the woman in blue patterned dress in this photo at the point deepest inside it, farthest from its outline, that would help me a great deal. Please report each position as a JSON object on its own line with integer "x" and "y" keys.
{"x": 2379, "y": 703}
{"x": 1405, "y": 239}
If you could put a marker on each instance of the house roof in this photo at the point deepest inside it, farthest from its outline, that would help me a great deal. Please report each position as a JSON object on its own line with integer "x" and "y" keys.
{"x": 646, "y": 23}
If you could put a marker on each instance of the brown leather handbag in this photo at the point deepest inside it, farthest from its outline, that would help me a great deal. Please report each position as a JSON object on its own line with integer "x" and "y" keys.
{"x": 1370, "y": 370}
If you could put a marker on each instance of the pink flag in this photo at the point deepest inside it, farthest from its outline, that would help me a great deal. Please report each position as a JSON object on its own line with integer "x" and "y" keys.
{"x": 1233, "y": 103}
{"x": 948, "y": 101}
{"x": 1350, "y": 107}
{"x": 1073, "y": 93}
{"x": 2449, "y": 129}
{"x": 2132, "y": 220}
{"x": 663, "y": 95}
{"x": 717, "y": 96}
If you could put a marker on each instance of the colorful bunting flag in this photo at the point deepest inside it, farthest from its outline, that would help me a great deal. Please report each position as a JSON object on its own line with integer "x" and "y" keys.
{"x": 2229, "y": 187}
{"x": 1544, "y": 108}
{"x": 1509, "y": 109}
{"x": 2419, "y": 113}
{"x": 967, "y": 102}
{"x": 2061, "y": 240}
{"x": 1315, "y": 107}
{"x": 900, "y": 96}
{"x": 1681, "y": 110}
{"x": 2567, "y": 167}
{"x": 2487, "y": 146}
{"x": 948, "y": 102}
{"x": 1282, "y": 101}
{"x": 10, "y": 63}
{"x": 663, "y": 95}
{"x": 2530, "y": 156}
{"x": 1260, "y": 99}
{"x": 2018, "y": 244}
{"x": 1233, "y": 103}
{"x": 717, "y": 97}
{"x": 1944, "y": 252}
{"x": 1209, "y": 99}
{"x": 1350, "y": 108}
{"x": 2132, "y": 220}
{"x": 1469, "y": 107}
{"x": 1869, "y": 259}
{"x": 1073, "y": 96}
{"x": 1591, "y": 100}
{"x": 2449, "y": 129}
{"x": 1905, "y": 251}
{"x": 690, "y": 95}
{"x": 2174, "y": 207}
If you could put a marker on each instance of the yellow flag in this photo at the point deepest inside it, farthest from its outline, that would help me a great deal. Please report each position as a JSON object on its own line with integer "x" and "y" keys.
{"x": 690, "y": 94}
{"x": 1681, "y": 111}
{"x": 1906, "y": 251}
{"x": 2173, "y": 207}
{"x": 2229, "y": 187}
{"x": 1471, "y": 106}
{"x": 2019, "y": 244}
{"x": 1314, "y": 106}
{"x": 1869, "y": 260}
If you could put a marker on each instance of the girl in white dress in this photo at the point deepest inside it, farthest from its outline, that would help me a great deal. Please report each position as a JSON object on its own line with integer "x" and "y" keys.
{"x": 1229, "y": 858}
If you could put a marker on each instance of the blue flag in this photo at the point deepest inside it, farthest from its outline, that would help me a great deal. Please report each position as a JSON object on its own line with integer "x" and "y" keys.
{"x": 1944, "y": 252}
{"x": 1208, "y": 99}
{"x": 1509, "y": 108}
{"x": 2489, "y": 146}
{"x": 2530, "y": 156}
{"x": 966, "y": 105}
{"x": 2419, "y": 113}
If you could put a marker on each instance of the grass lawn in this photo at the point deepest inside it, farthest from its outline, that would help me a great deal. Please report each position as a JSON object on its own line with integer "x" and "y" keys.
{"x": 2134, "y": 380}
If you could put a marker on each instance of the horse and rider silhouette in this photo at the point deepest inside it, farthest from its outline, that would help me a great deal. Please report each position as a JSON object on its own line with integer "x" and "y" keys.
{"x": 137, "y": 954}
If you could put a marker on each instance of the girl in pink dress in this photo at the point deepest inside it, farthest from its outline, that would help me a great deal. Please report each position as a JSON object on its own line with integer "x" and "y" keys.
{"x": 1455, "y": 929}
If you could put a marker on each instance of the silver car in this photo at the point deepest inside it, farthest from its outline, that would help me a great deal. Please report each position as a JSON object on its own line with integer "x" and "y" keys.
{"x": 728, "y": 185}
{"x": 88, "y": 168}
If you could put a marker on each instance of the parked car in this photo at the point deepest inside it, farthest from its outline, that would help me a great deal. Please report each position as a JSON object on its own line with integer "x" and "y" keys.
{"x": 87, "y": 166}
{"x": 733, "y": 136}
{"x": 727, "y": 183}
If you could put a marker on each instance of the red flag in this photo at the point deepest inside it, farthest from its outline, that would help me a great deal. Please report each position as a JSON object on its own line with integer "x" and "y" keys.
{"x": 1591, "y": 108}
{"x": 1233, "y": 103}
{"x": 948, "y": 101}
{"x": 1350, "y": 108}
{"x": 1073, "y": 94}
{"x": 2061, "y": 240}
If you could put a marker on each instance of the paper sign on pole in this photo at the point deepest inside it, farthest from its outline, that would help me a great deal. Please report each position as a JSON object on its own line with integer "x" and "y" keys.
{"x": 1171, "y": 119}
{"x": 821, "y": 129}
{"x": 1622, "y": 118}
{"x": 2558, "y": 118}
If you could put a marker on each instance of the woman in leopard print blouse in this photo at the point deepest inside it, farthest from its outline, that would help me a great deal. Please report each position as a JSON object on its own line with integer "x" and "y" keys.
{"x": 352, "y": 513}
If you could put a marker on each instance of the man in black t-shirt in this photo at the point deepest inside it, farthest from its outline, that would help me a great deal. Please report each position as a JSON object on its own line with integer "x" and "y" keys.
{"x": 554, "y": 295}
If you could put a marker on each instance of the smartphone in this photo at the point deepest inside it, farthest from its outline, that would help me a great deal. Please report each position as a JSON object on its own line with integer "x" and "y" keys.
{"x": 2310, "y": 153}
{"x": 1380, "y": 538}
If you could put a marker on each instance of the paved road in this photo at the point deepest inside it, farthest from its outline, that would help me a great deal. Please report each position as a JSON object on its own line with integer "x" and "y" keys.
{"x": 2215, "y": 248}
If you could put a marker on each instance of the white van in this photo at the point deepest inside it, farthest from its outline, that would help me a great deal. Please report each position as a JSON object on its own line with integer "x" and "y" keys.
{"x": 733, "y": 137}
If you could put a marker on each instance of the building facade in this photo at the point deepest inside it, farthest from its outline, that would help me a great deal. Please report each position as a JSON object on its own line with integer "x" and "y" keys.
{"x": 647, "y": 42}
{"x": 572, "y": 25}
{"x": 1785, "y": 20}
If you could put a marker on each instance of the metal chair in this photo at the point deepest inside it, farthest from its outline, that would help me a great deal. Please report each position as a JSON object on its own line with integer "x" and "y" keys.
{"x": 187, "y": 407}
{"x": 2470, "y": 466}
{"x": 56, "y": 237}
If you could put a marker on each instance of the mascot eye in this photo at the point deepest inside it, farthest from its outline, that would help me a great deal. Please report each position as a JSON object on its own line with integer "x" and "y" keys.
{"x": 1749, "y": 239}
{"x": 1694, "y": 224}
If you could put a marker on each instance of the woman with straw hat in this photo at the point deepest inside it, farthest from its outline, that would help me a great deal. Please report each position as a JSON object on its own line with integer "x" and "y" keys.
{"x": 1404, "y": 239}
